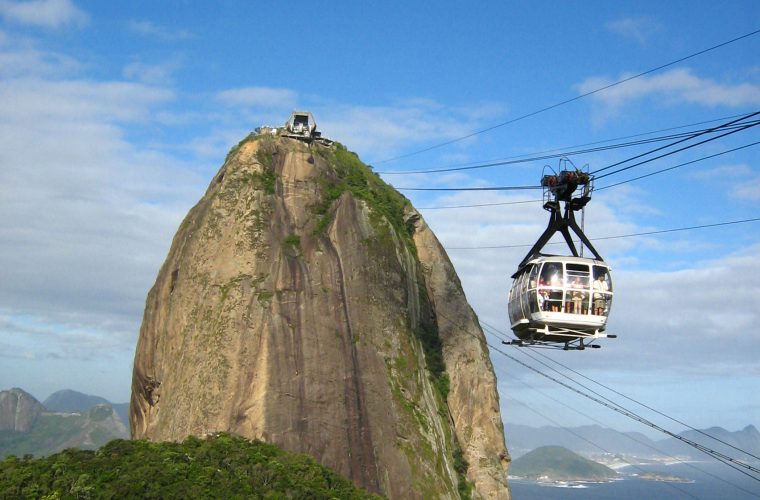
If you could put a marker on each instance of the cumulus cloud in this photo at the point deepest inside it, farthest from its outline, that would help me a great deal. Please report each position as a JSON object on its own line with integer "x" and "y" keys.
{"x": 30, "y": 61}
{"x": 152, "y": 74}
{"x": 85, "y": 215}
{"x": 43, "y": 13}
{"x": 380, "y": 131}
{"x": 672, "y": 87}
{"x": 740, "y": 181}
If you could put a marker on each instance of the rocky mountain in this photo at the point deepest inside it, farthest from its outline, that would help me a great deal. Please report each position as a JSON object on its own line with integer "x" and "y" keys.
{"x": 71, "y": 401}
{"x": 555, "y": 463}
{"x": 37, "y": 431}
{"x": 19, "y": 410}
{"x": 307, "y": 304}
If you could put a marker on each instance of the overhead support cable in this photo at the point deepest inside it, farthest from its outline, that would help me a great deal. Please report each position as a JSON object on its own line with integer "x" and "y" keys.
{"x": 567, "y": 101}
{"x": 644, "y": 405}
{"x": 598, "y": 446}
{"x": 495, "y": 188}
{"x": 599, "y": 188}
{"x": 740, "y": 129}
{"x": 501, "y": 336}
{"x": 630, "y": 235}
{"x": 678, "y": 166}
{"x": 555, "y": 153}
{"x": 481, "y": 205}
{"x": 732, "y": 130}
{"x": 737, "y": 122}
{"x": 737, "y": 465}
{"x": 734, "y": 463}
{"x": 504, "y": 337}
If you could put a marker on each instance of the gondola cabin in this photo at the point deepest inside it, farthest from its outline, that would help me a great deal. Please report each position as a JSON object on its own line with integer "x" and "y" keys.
{"x": 560, "y": 299}
{"x": 556, "y": 299}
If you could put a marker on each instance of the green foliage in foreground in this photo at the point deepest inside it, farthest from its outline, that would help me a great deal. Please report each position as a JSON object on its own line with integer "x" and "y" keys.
{"x": 223, "y": 466}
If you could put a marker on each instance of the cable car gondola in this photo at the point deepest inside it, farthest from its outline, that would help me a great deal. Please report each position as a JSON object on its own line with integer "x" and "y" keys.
{"x": 556, "y": 300}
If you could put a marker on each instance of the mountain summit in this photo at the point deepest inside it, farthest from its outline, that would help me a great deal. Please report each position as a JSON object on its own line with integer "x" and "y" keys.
{"x": 306, "y": 303}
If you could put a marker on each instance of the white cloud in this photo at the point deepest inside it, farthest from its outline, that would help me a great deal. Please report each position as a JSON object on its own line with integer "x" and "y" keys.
{"x": 21, "y": 56}
{"x": 152, "y": 74}
{"x": 85, "y": 215}
{"x": 265, "y": 97}
{"x": 723, "y": 171}
{"x": 43, "y": 13}
{"x": 740, "y": 181}
{"x": 148, "y": 28}
{"x": 676, "y": 86}
{"x": 381, "y": 131}
{"x": 640, "y": 28}
{"x": 748, "y": 190}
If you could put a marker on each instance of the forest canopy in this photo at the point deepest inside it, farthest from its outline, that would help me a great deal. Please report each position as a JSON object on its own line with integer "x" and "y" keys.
{"x": 220, "y": 466}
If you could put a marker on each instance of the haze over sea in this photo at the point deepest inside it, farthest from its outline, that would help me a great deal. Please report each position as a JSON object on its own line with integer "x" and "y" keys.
{"x": 704, "y": 487}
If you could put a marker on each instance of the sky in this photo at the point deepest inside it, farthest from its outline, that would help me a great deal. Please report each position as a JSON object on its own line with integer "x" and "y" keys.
{"x": 114, "y": 117}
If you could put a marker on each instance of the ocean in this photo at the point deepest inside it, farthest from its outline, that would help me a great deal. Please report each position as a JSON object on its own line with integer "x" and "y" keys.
{"x": 703, "y": 487}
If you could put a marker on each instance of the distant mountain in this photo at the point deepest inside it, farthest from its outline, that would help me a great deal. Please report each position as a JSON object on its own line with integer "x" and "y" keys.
{"x": 69, "y": 419}
{"x": 19, "y": 410}
{"x": 69, "y": 401}
{"x": 555, "y": 463}
{"x": 53, "y": 432}
{"x": 523, "y": 438}
{"x": 122, "y": 409}
{"x": 747, "y": 439}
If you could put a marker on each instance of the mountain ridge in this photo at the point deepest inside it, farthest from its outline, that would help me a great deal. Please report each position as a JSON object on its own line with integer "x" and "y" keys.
{"x": 45, "y": 432}
{"x": 523, "y": 438}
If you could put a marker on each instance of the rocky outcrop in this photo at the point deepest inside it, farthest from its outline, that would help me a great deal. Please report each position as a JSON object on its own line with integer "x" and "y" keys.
{"x": 18, "y": 410}
{"x": 307, "y": 304}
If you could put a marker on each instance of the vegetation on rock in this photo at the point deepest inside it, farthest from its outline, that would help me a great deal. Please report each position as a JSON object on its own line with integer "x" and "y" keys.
{"x": 221, "y": 466}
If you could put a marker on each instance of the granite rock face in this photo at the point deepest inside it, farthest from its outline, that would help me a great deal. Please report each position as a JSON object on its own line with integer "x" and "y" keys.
{"x": 305, "y": 303}
{"x": 18, "y": 410}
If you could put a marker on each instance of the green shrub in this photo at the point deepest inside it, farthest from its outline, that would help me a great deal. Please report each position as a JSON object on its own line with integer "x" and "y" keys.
{"x": 292, "y": 240}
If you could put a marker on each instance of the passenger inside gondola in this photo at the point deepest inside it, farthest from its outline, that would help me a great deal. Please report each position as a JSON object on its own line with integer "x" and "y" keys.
{"x": 552, "y": 274}
{"x": 577, "y": 296}
{"x": 600, "y": 293}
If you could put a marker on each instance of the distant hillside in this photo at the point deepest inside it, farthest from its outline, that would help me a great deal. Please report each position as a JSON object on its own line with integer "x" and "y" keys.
{"x": 53, "y": 432}
{"x": 522, "y": 438}
{"x": 222, "y": 466}
{"x": 747, "y": 439}
{"x": 122, "y": 409}
{"x": 559, "y": 464}
{"x": 72, "y": 401}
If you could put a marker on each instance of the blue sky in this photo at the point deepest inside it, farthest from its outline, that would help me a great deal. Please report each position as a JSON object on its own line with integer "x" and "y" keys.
{"x": 115, "y": 116}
